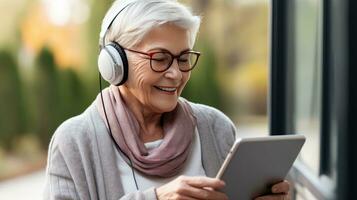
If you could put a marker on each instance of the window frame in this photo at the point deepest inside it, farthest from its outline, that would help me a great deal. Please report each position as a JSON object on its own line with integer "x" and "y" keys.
{"x": 338, "y": 107}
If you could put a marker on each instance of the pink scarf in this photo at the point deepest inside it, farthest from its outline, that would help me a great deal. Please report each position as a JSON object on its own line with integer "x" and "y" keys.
{"x": 167, "y": 159}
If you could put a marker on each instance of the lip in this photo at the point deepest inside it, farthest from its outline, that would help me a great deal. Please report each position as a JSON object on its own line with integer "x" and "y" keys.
{"x": 167, "y": 89}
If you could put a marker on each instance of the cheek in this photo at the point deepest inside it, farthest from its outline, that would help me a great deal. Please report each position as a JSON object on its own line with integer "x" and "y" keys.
{"x": 140, "y": 80}
{"x": 185, "y": 78}
{"x": 137, "y": 74}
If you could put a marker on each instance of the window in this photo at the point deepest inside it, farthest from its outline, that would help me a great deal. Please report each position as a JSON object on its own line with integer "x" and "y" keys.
{"x": 297, "y": 91}
{"x": 304, "y": 63}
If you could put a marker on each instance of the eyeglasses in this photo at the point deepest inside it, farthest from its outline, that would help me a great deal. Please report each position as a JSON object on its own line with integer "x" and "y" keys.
{"x": 162, "y": 60}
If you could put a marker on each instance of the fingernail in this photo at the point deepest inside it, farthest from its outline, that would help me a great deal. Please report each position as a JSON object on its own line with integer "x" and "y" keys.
{"x": 223, "y": 183}
{"x": 274, "y": 189}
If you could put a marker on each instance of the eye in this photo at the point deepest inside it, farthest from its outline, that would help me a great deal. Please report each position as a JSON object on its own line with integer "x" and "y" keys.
{"x": 160, "y": 57}
{"x": 183, "y": 60}
{"x": 184, "y": 57}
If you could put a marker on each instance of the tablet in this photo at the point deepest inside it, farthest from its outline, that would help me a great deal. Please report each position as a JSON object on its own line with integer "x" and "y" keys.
{"x": 253, "y": 165}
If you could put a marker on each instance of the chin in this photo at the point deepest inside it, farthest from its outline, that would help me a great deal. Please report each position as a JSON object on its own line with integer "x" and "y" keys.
{"x": 165, "y": 106}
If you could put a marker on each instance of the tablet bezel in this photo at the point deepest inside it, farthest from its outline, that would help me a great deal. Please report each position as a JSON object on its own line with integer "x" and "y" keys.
{"x": 288, "y": 145}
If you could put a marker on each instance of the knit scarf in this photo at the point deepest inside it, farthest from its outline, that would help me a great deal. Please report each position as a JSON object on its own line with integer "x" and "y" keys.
{"x": 167, "y": 159}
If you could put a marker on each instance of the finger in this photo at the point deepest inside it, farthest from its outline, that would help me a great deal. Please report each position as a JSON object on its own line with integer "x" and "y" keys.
{"x": 207, "y": 194}
{"x": 200, "y": 182}
{"x": 274, "y": 197}
{"x": 187, "y": 198}
{"x": 281, "y": 187}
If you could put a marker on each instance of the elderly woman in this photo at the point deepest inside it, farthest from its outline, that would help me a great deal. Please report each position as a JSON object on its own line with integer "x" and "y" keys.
{"x": 140, "y": 139}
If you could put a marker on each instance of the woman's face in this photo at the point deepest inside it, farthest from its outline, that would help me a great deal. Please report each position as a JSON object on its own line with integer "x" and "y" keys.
{"x": 157, "y": 92}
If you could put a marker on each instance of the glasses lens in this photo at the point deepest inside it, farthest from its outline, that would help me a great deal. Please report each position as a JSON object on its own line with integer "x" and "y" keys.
{"x": 188, "y": 61}
{"x": 160, "y": 61}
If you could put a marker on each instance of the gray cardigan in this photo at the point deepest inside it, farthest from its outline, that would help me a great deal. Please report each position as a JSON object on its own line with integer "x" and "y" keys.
{"x": 82, "y": 164}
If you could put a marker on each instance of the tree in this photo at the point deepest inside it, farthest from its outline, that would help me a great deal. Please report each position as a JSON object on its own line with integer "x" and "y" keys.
{"x": 47, "y": 101}
{"x": 12, "y": 111}
{"x": 72, "y": 95}
{"x": 203, "y": 85}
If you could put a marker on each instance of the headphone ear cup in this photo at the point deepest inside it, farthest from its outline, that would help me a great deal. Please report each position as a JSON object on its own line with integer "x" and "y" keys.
{"x": 113, "y": 64}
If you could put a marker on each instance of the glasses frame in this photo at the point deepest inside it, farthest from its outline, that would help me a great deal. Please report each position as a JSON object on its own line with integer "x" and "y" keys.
{"x": 151, "y": 54}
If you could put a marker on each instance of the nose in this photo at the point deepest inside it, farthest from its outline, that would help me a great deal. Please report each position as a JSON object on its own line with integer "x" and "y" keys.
{"x": 174, "y": 71}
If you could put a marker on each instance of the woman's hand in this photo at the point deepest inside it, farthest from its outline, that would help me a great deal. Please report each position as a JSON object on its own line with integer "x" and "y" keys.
{"x": 280, "y": 192}
{"x": 191, "y": 188}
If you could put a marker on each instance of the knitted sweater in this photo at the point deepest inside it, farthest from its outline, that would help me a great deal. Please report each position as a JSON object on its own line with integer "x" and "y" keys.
{"x": 82, "y": 161}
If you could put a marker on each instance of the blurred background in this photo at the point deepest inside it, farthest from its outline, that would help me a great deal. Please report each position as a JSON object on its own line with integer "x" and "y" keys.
{"x": 48, "y": 73}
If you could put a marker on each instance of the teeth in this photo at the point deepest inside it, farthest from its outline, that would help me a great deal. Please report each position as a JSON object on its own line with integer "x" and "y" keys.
{"x": 167, "y": 89}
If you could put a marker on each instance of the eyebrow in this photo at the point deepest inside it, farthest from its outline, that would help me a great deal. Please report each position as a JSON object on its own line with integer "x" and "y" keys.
{"x": 166, "y": 50}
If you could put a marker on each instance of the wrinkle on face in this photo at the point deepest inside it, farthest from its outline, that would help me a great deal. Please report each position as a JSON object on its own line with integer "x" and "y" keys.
{"x": 139, "y": 70}
{"x": 140, "y": 91}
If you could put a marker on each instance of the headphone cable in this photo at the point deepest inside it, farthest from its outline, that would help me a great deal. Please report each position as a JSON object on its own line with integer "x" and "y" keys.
{"x": 111, "y": 134}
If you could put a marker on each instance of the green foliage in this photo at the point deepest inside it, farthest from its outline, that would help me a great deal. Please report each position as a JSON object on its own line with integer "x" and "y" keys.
{"x": 93, "y": 29}
{"x": 47, "y": 101}
{"x": 72, "y": 95}
{"x": 203, "y": 85}
{"x": 57, "y": 95}
{"x": 12, "y": 112}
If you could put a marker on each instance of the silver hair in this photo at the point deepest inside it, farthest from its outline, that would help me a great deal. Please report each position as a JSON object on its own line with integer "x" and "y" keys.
{"x": 140, "y": 16}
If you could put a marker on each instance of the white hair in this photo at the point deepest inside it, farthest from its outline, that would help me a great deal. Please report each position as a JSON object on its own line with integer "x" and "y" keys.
{"x": 140, "y": 16}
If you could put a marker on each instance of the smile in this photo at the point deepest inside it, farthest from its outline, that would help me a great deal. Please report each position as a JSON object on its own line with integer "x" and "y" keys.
{"x": 166, "y": 89}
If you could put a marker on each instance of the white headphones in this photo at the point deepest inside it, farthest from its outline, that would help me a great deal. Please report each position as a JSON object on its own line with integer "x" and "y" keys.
{"x": 112, "y": 60}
